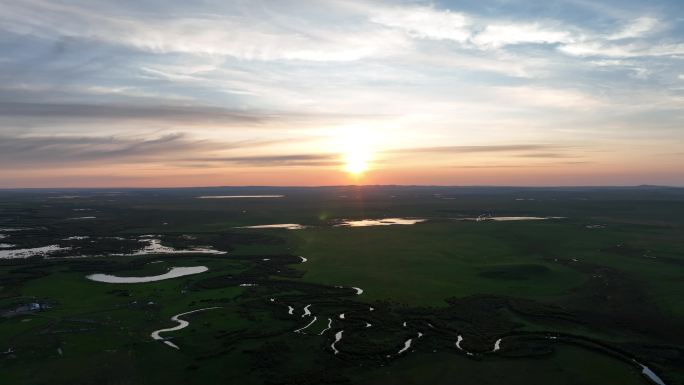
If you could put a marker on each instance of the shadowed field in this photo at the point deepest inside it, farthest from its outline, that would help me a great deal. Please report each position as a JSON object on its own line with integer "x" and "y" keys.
{"x": 574, "y": 298}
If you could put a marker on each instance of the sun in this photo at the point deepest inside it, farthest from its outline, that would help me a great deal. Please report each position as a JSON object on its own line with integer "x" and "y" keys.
{"x": 356, "y": 162}
{"x": 356, "y": 146}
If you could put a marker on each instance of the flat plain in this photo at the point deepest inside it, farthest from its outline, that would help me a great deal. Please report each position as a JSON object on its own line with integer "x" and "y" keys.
{"x": 485, "y": 286}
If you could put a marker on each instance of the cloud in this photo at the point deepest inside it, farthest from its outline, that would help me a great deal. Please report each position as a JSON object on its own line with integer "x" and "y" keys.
{"x": 636, "y": 28}
{"x": 548, "y": 155}
{"x": 50, "y": 150}
{"x": 175, "y": 114}
{"x": 633, "y": 40}
{"x": 548, "y": 97}
{"x": 277, "y": 160}
{"x": 412, "y": 70}
{"x": 508, "y": 165}
{"x": 426, "y": 22}
{"x": 626, "y": 50}
{"x": 127, "y": 111}
{"x": 240, "y": 31}
{"x": 316, "y": 32}
{"x": 176, "y": 149}
{"x": 477, "y": 149}
{"x": 499, "y": 35}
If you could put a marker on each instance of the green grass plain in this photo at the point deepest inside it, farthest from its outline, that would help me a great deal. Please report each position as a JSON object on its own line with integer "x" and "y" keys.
{"x": 621, "y": 285}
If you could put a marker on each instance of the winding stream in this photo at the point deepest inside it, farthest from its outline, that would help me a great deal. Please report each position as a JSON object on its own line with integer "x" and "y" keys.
{"x": 327, "y": 328}
{"x": 358, "y": 290}
{"x": 458, "y": 345}
{"x": 646, "y": 371}
{"x": 181, "y": 325}
{"x": 338, "y": 338}
{"x": 307, "y": 325}
{"x": 407, "y": 346}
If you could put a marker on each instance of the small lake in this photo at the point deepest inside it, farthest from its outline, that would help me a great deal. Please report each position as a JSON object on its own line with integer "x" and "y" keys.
{"x": 174, "y": 272}
{"x": 238, "y": 196}
{"x": 484, "y": 218}
{"x": 288, "y": 226}
{"x": 380, "y": 222}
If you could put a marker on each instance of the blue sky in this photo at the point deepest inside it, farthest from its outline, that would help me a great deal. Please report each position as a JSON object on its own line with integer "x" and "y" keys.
{"x": 146, "y": 93}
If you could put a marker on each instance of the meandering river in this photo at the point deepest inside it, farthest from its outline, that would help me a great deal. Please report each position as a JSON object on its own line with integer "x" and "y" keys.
{"x": 181, "y": 325}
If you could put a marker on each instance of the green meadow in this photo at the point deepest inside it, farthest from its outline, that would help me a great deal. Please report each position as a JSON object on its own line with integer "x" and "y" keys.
{"x": 579, "y": 298}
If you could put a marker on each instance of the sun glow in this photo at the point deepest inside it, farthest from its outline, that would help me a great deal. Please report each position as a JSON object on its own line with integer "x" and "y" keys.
{"x": 355, "y": 144}
{"x": 356, "y": 162}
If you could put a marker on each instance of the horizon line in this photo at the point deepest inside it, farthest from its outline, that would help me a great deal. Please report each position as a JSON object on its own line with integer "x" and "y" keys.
{"x": 345, "y": 185}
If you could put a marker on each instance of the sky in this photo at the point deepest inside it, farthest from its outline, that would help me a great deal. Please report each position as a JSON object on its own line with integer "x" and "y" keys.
{"x": 167, "y": 93}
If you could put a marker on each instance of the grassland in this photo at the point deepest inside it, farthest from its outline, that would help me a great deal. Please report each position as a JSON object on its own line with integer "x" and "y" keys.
{"x": 606, "y": 281}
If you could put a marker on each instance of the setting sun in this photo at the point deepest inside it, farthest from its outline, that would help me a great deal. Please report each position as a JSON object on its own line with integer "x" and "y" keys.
{"x": 356, "y": 146}
{"x": 356, "y": 162}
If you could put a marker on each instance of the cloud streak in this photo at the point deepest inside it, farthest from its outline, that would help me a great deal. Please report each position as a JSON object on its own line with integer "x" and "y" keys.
{"x": 29, "y": 151}
{"x": 309, "y": 160}
{"x": 127, "y": 111}
{"x": 477, "y": 149}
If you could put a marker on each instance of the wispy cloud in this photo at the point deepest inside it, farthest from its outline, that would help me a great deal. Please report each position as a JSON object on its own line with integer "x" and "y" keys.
{"x": 598, "y": 48}
{"x": 425, "y": 22}
{"x": 549, "y": 97}
{"x": 276, "y": 160}
{"x": 120, "y": 111}
{"x": 499, "y": 35}
{"x": 548, "y": 155}
{"x": 636, "y": 28}
{"x": 237, "y": 31}
{"x": 28, "y": 151}
{"x": 479, "y": 149}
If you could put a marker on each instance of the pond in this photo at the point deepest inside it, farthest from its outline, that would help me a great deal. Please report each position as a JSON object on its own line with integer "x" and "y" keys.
{"x": 380, "y": 222}
{"x": 238, "y": 196}
{"x": 174, "y": 272}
